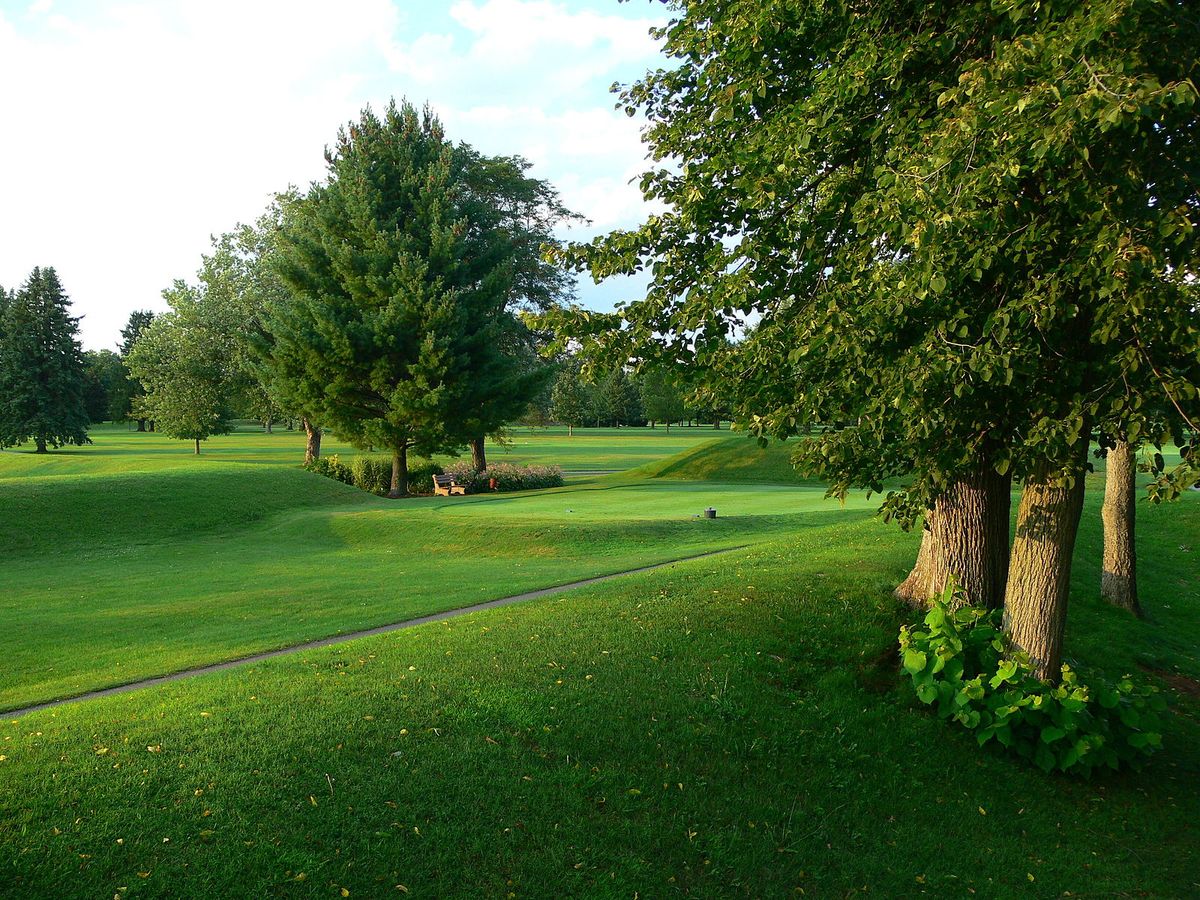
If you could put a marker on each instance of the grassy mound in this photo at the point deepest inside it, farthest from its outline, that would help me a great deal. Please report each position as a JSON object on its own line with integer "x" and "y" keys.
{"x": 734, "y": 459}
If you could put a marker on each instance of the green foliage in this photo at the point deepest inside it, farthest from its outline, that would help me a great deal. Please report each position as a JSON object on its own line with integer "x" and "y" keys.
{"x": 331, "y": 466}
{"x": 105, "y": 391}
{"x": 662, "y": 401}
{"x": 139, "y": 321}
{"x": 507, "y": 477}
{"x": 372, "y": 474}
{"x": 404, "y": 268}
{"x": 42, "y": 373}
{"x": 420, "y": 477}
{"x": 186, "y": 362}
{"x": 926, "y": 199}
{"x": 571, "y": 398}
{"x": 961, "y": 663}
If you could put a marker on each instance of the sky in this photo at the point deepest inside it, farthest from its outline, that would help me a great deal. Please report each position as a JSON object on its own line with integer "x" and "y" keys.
{"x": 131, "y": 132}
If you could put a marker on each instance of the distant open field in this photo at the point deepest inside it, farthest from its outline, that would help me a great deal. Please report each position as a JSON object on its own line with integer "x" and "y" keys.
{"x": 724, "y": 727}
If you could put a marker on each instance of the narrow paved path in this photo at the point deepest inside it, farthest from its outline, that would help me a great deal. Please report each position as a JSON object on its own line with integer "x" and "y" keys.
{"x": 351, "y": 636}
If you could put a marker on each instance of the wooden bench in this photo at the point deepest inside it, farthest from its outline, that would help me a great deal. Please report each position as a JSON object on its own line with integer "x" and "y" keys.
{"x": 445, "y": 486}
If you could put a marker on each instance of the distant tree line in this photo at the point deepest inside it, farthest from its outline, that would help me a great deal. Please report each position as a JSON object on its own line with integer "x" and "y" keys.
{"x": 623, "y": 396}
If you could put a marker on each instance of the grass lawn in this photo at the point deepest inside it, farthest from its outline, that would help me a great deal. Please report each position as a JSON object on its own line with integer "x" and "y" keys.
{"x": 116, "y": 449}
{"x": 161, "y": 561}
{"x": 726, "y": 727}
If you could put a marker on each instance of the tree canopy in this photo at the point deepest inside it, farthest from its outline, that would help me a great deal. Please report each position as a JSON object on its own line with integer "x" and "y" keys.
{"x": 186, "y": 361}
{"x": 962, "y": 232}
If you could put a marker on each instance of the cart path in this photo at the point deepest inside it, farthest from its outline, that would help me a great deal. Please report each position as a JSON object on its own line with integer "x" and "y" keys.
{"x": 352, "y": 636}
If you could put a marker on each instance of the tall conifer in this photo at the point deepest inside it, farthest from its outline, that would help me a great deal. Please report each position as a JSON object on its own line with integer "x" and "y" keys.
{"x": 41, "y": 367}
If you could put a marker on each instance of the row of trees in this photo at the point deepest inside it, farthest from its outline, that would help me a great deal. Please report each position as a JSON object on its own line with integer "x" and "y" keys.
{"x": 622, "y": 397}
{"x": 965, "y": 237}
{"x": 51, "y": 390}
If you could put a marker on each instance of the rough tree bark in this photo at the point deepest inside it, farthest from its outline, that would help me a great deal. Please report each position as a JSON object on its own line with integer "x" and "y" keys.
{"x": 1118, "y": 577}
{"x": 966, "y": 536}
{"x": 478, "y": 453}
{"x": 918, "y": 587}
{"x": 399, "y": 472}
{"x": 1039, "y": 577}
{"x": 312, "y": 443}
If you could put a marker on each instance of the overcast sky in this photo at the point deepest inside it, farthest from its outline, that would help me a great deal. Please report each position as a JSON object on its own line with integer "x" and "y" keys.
{"x": 132, "y": 131}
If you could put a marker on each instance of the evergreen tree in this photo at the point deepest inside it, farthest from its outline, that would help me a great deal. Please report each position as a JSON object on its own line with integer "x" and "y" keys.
{"x": 398, "y": 332}
{"x": 41, "y": 367}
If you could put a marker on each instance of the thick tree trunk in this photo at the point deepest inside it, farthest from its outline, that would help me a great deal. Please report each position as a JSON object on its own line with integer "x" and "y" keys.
{"x": 40, "y": 442}
{"x": 197, "y": 446}
{"x": 141, "y": 425}
{"x": 717, "y": 423}
{"x": 966, "y": 536}
{"x": 918, "y": 587}
{"x": 312, "y": 442}
{"x": 1039, "y": 577}
{"x": 399, "y": 472}
{"x": 1118, "y": 578}
{"x": 971, "y": 526}
{"x": 478, "y": 453}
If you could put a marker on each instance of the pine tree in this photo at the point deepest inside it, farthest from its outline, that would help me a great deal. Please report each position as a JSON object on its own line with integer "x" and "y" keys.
{"x": 41, "y": 367}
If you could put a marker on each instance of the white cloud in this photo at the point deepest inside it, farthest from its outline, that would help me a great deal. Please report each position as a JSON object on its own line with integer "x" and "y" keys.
{"x": 139, "y": 129}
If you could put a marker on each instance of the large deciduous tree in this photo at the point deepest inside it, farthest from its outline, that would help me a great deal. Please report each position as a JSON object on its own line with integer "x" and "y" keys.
{"x": 404, "y": 269}
{"x": 963, "y": 225}
{"x": 41, "y": 367}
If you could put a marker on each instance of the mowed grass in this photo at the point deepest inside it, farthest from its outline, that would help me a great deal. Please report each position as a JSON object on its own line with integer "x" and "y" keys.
{"x": 733, "y": 726}
{"x": 727, "y": 727}
{"x": 121, "y": 575}
{"x": 116, "y": 449}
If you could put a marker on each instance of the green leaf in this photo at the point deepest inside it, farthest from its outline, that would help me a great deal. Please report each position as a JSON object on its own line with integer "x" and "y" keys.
{"x": 914, "y": 661}
{"x": 1052, "y": 734}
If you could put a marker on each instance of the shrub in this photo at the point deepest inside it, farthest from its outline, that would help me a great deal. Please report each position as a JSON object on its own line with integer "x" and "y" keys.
{"x": 331, "y": 467}
{"x": 372, "y": 474}
{"x": 508, "y": 477}
{"x": 420, "y": 477}
{"x": 962, "y": 664}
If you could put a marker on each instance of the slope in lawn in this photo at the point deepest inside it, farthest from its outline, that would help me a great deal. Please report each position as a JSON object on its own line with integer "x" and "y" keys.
{"x": 737, "y": 458}
{"x": 116, "y": 578}
{"x": 725, "y": 728}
